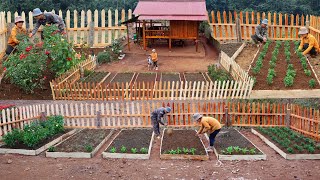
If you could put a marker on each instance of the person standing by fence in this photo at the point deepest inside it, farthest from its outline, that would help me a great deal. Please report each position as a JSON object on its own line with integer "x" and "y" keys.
{"x": 46, "y": 19}
{"x": 261, "y": 32}
{"x": 156, "y": 117}
{"x": 309, "y": 44}
{"x": 209, "y": 125}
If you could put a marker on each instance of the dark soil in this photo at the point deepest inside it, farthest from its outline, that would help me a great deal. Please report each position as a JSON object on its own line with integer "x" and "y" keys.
{"x": 9, "y": 91}
{"x": 42, "y": 143}
{"x": 137, "y": 138}
{"x": 232, "y": 138}
{"x": 182, "y": 139}
{"x": 317, "y": 151}
{"x": 194, "y": 77}
{"x": 230, "y": 48}
{"x": 170, "y": 77}
{"x": 123, "y": 77}
{"x": 146, "y": 77}
{"x": 109, "y": 78}
{"x": 95, "y": 77}
{"x": 301, "y": 81}
{"x": 86, "y": 137}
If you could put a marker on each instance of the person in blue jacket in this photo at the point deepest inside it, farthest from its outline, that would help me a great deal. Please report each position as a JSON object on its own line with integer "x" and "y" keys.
{"x": 156, "y": 119}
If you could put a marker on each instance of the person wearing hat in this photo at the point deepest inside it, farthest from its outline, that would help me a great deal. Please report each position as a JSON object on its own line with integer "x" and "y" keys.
{"x": 156, "y": 117}
{"x": 309, "y": 44}
{"x": 261, "y": 32}
{"x": 46, "y": 19}
{"x": 208, "y": 125}
{"x": 16, "y": 30}
{"x": 154, "y": 57}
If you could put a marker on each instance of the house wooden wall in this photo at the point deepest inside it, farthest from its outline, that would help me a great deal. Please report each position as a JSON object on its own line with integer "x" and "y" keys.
{"x": 184, "y": 29}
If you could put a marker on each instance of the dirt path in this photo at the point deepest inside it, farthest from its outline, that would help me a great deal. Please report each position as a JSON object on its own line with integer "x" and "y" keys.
{"x": 137, "y": 62}
{"x": 275, "y": 167}
{"x": 246, "y": 56}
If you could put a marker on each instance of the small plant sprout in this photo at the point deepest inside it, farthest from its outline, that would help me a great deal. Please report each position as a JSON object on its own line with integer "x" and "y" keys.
{"x": 179, "y": 150}
{"x": 193, "y": 151}
{"x": 252, "y": 151}
{"x": 123, "y": 149}
{"x": 230, "y": 150}
{"x": 144, "y": 150}
{"x": 88, "y": 148}
{"x": 52, "y": 149}
{"x": 236, "y": 149}
{"x": 113, "y": 150}
{"x": 312, "y": 83}
{"x": 244, "y": 150}
{"x": 290, "y": 150}
{"x": 172, "y": 151}
{"x": 134, "y": 150}
{"x": 185, "y": 150}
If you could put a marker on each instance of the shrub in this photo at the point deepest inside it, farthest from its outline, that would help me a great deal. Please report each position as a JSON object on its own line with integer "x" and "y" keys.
{"x": 312, "y": 83}
{"x": 104, "y": 57}
{"x": 12, "y": 138}
{"x": 218, "y": 74}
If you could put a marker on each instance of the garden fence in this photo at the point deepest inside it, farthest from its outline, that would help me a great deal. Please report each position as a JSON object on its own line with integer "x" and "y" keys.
{"x": 234, "y": 26}
{"x": 162, "y": 90}
{"x": 127, "y": 114}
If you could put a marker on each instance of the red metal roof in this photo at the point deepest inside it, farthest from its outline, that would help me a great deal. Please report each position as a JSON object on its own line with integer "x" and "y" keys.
{"x": 194, "y": 10}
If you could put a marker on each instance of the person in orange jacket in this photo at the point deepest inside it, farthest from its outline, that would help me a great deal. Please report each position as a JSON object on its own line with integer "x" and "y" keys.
{"x": 16, "y": 30}
{"x": 309, "y": 44}
{"x": 209, "y": 125}
{"x": 154, "y": 57}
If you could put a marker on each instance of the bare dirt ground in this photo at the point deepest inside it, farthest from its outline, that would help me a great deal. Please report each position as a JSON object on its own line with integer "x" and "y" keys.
{"x": 275, "y": 167}
{"x": 180, "y": 59}
{"x": 246, "y": 56}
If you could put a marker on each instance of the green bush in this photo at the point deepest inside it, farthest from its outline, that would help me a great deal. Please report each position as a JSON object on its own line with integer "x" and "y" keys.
{"x": 104, "y": 57}
{"x": 13, "y": 137}
{"x": 218, "y": 74}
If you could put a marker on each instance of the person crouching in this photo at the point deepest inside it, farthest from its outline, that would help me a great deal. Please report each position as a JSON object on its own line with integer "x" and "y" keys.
{"x": 16, "y": 30}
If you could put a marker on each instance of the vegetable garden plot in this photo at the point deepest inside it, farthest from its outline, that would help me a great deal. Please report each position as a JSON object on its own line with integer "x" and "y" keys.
{"x": 277, "y": 67}
{"x": 230, "y": 48}
{"x": 131, "y": 144}
{"x": 232, "y": 145}
{"x": 182, "y": 144}
{"x": 146, "y": 77}
{"x": 170, "y": 77}
{"x": 288, "y": 143}
{"x": 123, "y": 78}
{"x": 84, "y": 144}
{"x": 36, "y": 137}
{"x": 194, "y": 77}
{"x": 96, "y": 77}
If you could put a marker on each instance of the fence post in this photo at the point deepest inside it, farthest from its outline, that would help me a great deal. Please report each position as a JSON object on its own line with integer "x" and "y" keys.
{"x": 307, "y": 24}
{"x": 81, "y": 72}
{"x": 288, "y": 117}
{"x": 43, "y": 116}
{"x": 238, "y": 32}
{"x": 98, "y": 120}
{"x": 226, "y": 116}
{"x": 91, "y": 34}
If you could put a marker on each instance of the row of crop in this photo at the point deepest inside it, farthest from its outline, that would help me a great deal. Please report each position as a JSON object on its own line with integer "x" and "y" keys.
{"x": 123, "y": 149}
{"x": 256, "y": 69}
{"x": 290, "y": 140}
{"x": 238, "y": 150}
{"x": 304, "y": 63}
{"x": 291, "y": 72}
{"x": 272, "y": 63}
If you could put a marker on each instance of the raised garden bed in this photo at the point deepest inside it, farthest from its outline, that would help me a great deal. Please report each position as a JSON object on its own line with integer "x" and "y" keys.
{"x": 40, "y": 147}
{"x": 84, "y": 144}
{"x": 130, "y": 144}
{"x": 289, "y": 144}
{"x": 232, "y": 145}
{"x": 170, "y": 77}
{"x": 96, "y": 77}
{"x": 231, "y": 48}
{"x": 194, "y": 77}
{"x": 182, "y": 144}
{"x": 277, "y": 67}
{"x": 146, "y": 77}
{"x": 123, "y": 78}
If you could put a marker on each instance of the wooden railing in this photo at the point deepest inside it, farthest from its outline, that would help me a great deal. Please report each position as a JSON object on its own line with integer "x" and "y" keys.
{"x": 231, "y": 26}
{"x": 122, "y": 114}
{"x": 157, "y": 33}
